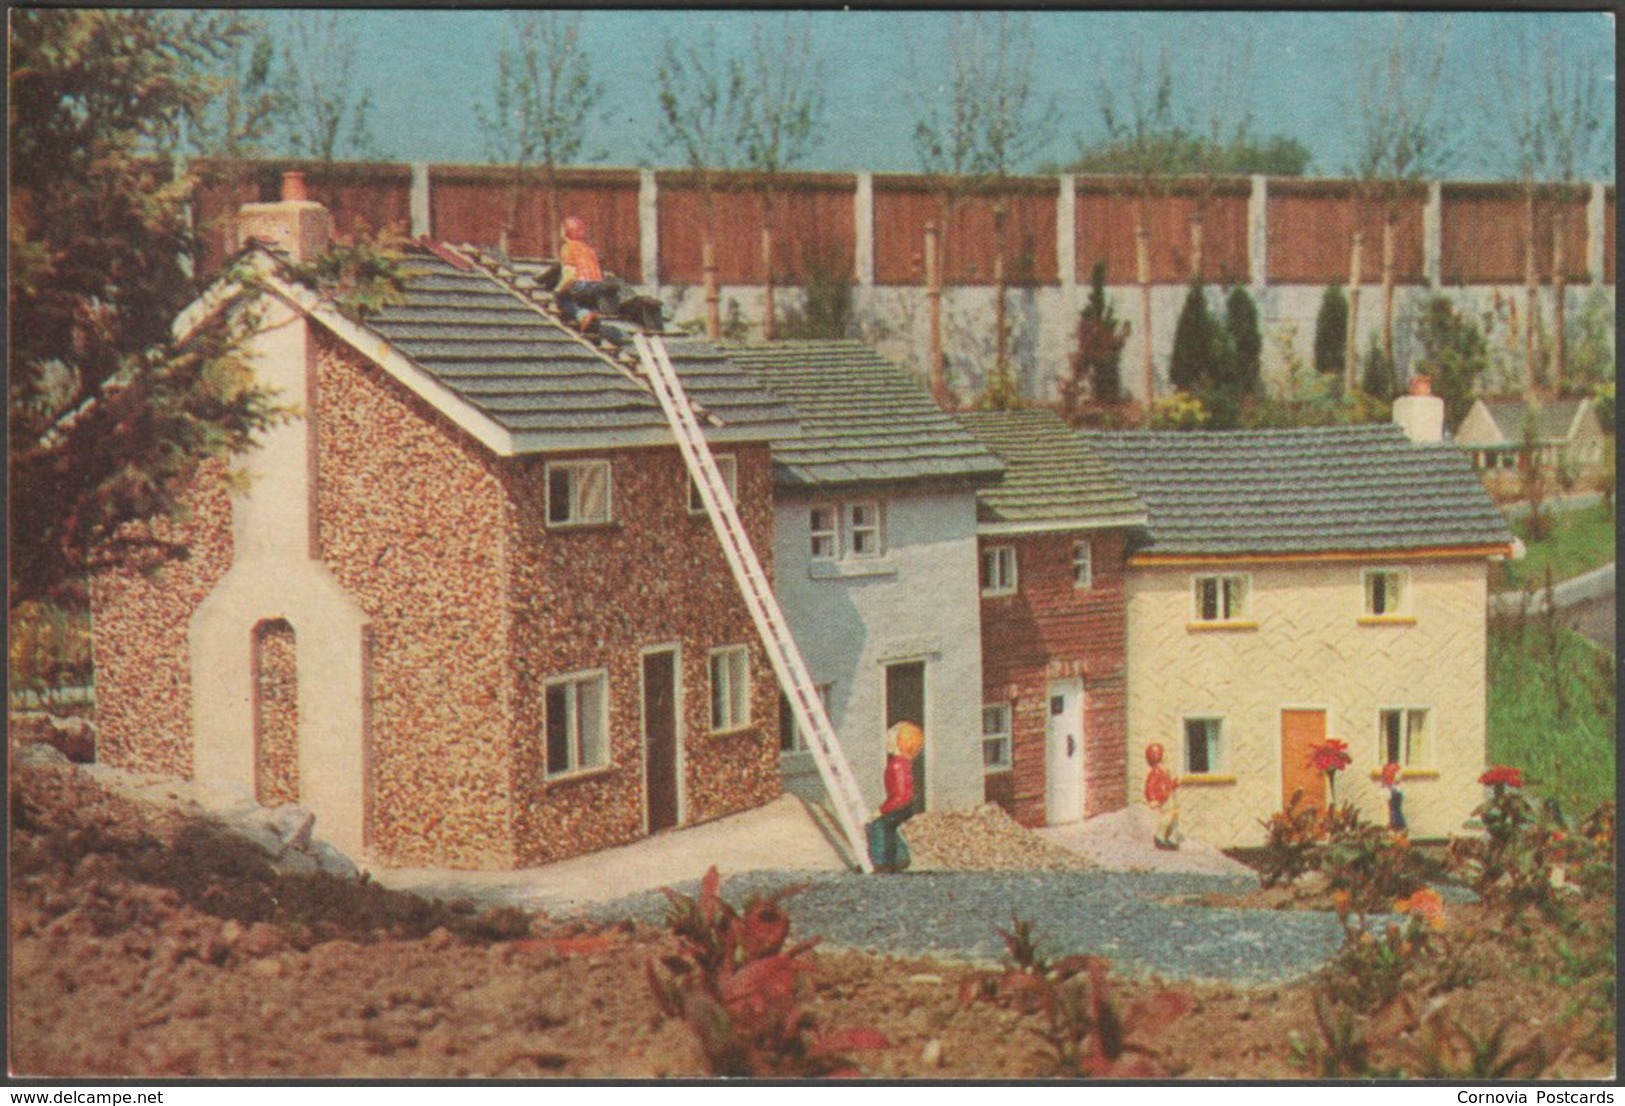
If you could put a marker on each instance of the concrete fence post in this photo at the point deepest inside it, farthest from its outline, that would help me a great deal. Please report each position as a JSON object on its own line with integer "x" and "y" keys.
{"x": 1258, "y": 232}
{"x": 422, "y": 221}
{"x": 1066, "y": 237}
{"x": 1597, "y": 233}
{"x": 649, "y": 227}
{"x": 863, "y": 230}
{"x": 1433, "y": 236}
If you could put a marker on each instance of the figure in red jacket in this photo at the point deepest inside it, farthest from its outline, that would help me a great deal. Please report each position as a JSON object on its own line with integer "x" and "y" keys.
{"x": 887, "y": 850}
{"x": 1160, "y": 790}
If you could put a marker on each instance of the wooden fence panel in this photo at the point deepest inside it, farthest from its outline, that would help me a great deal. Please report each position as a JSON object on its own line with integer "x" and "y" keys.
{"x": 1484, "y": 229}
{"x": 812, "y": 228}
{"x": 1311, "y": 233}
{"x": 904, "y": 205}
{"x": 472, "y": 205}
{"x": 1109, "y": 211}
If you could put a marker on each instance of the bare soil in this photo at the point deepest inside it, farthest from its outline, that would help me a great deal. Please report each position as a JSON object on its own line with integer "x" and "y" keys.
{"x": 145, "y": 944}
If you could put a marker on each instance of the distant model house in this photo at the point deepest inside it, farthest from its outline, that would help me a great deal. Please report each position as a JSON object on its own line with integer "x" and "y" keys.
{"x": 1053, "y": 538}
{"x": 874, "y": 561}
{"x": 1567, "y": 432}
{"x": 1300, "y": 585}
{"x": 462, "y": 607}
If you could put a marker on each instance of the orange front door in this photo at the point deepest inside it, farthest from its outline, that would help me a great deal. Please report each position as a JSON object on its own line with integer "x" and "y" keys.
{"x": 1299, "y": 730}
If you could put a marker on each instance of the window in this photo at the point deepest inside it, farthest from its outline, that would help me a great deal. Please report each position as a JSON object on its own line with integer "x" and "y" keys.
{"x": 791, "y": 737}
{"x": 1204, "y": 745}
{"x": 577, "y": 493}
{"x": 863, "y": 529}
{"x": 1385, "y": 591}
{"x": 826, "y": 541}
{"x": 995, "y": 737}
{"x": 1221, "y": 598}
{"x": 577, "y": 738}
{"x": 998, "y": 570}
{"x": 730, "y": 478}
{"x": 1083, "y": 565}
{"x": 1404, "y": 737}
{"x": 730, "y": 688}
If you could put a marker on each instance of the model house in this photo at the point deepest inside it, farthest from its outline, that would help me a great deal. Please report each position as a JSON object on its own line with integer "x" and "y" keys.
{"x": 1299, "y": 585}
{"x": 875, "y": 561}
{"x": 461, "y": 604}
{"x": 1052, "y": 539}
{"x": 1567, "y": 435}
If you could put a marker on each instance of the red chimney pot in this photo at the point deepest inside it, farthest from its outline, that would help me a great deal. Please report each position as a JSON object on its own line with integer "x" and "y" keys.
{"x": 1420, "y": 386}
{"x": 293, "y": 186}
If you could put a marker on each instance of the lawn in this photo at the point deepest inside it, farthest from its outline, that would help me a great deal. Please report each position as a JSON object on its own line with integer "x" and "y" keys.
{"x": 1552, "y": 710}
{"x": 1578, "y": 542}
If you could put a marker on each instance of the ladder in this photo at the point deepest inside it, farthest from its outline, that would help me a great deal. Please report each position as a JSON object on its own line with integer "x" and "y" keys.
{"x": 788, "y": 664}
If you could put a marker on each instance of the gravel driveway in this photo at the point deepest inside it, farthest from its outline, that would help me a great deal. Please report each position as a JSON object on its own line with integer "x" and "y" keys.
{"x": 1121, "y": 915}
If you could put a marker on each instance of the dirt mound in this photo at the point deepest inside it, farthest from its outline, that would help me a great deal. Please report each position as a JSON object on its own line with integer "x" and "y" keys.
{"x": 984, "y": 839}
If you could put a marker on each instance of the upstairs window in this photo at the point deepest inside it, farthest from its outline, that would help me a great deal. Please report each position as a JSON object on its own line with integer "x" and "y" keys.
{"x": 578, "y": 493}
{"x": 1403, "y": 733}
{"x": 995, "y": 737}
{"x": 823, "y": 526}
{"x": 577, "y": 735}
{"x": 999, "y": 570}
{"x": 730, "y": 478}
{"x": 1221, "y": 598}
{"x": 1083, "y": 565}
{"x": 730, "y": 688}
{"x": 1204, "y": 746}
{"x": 863, "y": 529}
{"x": 1387, "y": 591}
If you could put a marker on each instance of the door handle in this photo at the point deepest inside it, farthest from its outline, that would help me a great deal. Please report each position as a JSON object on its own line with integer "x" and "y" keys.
{"x": 1071, "y": 746}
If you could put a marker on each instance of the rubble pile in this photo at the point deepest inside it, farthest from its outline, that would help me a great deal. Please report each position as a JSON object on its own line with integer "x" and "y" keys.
{"x": 984, "y": 839}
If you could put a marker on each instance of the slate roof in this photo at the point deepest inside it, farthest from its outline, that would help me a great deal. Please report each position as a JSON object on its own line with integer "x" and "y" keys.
{"x": 864, "y": 420}
{"x": 1324, "y": 490}
{"x": 1555, "y": 418}
{"x": 1050, "y": 475}
{"x": 535, "y": 378}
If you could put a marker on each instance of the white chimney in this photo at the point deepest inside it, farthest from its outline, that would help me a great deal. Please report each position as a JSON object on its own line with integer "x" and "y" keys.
{"x": 1420, "y": 413}
{"x": 295, "y": 224}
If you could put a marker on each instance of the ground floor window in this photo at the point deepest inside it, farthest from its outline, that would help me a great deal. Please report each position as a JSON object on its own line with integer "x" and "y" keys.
{"x": 577, "y": 730}
{"x": 1403, "y": 733}
{"x": 995, "y": 737}
{"x": 730, "y": 688}
{"x": 791, "y": 737}
{"x": 1204, "y": 746}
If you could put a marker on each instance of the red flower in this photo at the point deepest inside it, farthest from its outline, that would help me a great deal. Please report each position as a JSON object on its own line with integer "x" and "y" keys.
{"x": 1330, "y": 756}
{"x": 1502, "y": 776}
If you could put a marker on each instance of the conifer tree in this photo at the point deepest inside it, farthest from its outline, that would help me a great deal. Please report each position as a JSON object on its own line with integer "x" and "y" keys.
{"x": 1332, "y": 330}
{"x": 1096, "y": 364}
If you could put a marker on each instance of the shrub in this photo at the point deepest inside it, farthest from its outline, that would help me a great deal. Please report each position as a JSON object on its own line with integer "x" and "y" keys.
{"x": 1332, "y": 330}
{"x": 1180, "y": 411}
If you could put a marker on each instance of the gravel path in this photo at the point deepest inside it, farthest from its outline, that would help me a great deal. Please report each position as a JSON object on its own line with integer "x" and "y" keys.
{"x": 1121, "y": 915}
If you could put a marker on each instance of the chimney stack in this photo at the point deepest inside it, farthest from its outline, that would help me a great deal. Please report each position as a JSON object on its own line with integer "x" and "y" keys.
{"x": 1420, "y": 413}
{"x": 295, "y": 224}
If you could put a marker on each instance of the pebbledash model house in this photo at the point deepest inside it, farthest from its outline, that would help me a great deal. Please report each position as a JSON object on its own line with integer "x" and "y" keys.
{"x": 1299, "y": 585}
{"x": 874, "y": 562}
{"x": 1052, "y": 540}
{"x": 463, "y": 606}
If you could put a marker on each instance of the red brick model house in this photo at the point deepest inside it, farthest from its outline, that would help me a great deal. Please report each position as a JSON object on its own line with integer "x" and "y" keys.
{"x": 1052, "y": 540}
{"x": 460, "y": 605}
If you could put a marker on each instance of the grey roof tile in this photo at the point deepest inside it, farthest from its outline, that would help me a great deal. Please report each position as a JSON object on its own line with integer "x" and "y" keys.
{"x": 1323, "y": 490}
{"x": 1050, "y": 475}
{"x": 864, "y": 420}
{"x": 1554, "y": 417}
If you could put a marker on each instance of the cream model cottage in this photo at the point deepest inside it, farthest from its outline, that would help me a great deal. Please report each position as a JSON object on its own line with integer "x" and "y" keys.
{"x": 1299, "y": 585}
{"x": 463, "y": 607}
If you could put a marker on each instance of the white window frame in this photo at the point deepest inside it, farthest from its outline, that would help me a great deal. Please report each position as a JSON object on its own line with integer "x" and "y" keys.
{"x": 1002, "y": 733}
{"x": 1401, "y": 606}
{"x": 797, "y": 739}
{"x": 1230, "y": 610}
{"x": 1407, "y": 757}
{"x": 733, "y": 681}
{"x": 574, "y": 507}
{"x": 854, "y": 529}
{"x": 1218, "y": 751}
{"x": 1003, "y": 578}
{"x": 729, "y": 467}
{"x": 585, "y": 752}
{"x": 831, "y": 533}
{"x": 1083, "y": 564}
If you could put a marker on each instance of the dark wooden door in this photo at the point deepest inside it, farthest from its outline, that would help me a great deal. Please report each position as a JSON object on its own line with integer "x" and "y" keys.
{"x": 660, "y": 738}
{"x": 905, "y": 702}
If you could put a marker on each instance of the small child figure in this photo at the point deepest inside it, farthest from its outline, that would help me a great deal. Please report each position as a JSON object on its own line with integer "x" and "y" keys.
{"x": 1396, "y": 797}
{"x": 887, "y": 849}
{"x": 582, "y": 281}
{"x": 1160, "y": 788}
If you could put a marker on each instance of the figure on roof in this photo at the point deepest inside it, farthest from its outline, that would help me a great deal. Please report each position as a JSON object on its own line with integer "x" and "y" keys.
{"x": 581, "y": 283}
{"x": 887, "y": 849}
{"x": 1161, "y": 788}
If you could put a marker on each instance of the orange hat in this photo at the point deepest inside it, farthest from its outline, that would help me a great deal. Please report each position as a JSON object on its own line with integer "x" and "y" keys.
{"x": 907, "y": 738}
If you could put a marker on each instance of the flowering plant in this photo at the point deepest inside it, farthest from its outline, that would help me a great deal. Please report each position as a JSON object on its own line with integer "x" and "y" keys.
{"x": 1330, "y": 757}
{"x": 1502, "y": 776}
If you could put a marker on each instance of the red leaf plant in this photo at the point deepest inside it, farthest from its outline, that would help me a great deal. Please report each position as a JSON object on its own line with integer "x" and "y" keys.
{"x": 740, "y": 991}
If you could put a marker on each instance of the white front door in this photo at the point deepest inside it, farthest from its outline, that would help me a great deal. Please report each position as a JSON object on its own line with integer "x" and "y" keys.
{"x": 1063, "y": 733}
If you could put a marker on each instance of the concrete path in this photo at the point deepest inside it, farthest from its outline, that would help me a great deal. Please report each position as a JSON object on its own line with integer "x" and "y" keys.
{"x": 1588, "y": 587}
{"x": 1121, "y": 842}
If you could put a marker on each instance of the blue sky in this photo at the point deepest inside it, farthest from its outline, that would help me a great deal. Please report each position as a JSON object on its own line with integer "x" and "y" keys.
{"x": 428, "y": 68}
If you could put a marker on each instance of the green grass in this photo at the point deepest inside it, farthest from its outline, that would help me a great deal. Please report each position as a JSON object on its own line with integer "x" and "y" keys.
{"x": 1566, "y": 750}
{"x": 1579, "y": 541}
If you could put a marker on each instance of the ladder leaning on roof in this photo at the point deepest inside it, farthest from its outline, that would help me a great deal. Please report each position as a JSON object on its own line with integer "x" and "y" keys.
{"x": 788, "y": 664}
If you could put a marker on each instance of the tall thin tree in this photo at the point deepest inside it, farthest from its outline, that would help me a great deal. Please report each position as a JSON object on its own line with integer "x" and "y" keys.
{"x": 328, "y": 114}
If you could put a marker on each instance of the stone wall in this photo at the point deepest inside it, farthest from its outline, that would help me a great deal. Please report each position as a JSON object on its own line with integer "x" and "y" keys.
{"x": 1051, "y": 629}
{"x": 139, "y": 627}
